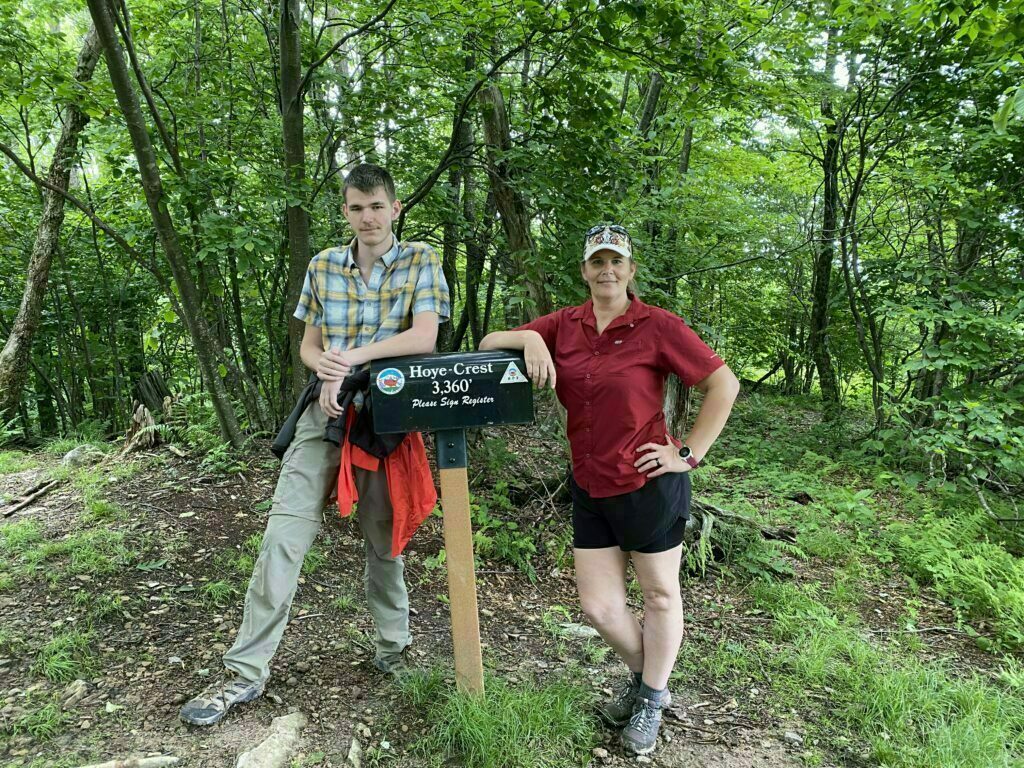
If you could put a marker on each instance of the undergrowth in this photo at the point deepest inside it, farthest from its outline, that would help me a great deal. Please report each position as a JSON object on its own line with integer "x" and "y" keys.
{"x": 529, "y": 726}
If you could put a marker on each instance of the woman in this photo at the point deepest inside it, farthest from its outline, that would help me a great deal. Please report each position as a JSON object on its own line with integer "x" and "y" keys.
{"x": 607, "y": 360}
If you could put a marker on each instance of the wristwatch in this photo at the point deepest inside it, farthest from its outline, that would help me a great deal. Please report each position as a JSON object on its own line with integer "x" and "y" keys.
{"x": 687, "y": 455}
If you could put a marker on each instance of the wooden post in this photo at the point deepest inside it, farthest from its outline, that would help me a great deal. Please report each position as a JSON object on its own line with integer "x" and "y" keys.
{"x": 446, "y": 394}
{"x": 458, "y": 544}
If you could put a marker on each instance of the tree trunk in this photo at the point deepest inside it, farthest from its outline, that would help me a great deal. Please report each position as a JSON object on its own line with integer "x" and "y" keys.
{"x": 823, "y": 258}
{"x": 295, "y": 175}
{"x": 191, "y": 310}
{"x": 15, "y": 356}
{"x": 450, "y": 252}
{"x": 476, "y": 254}
{"x": 515, "y": 217}
{"x": 490, "y": 209}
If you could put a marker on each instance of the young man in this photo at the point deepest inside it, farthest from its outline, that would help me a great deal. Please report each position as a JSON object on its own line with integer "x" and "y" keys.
{"x": 375, "y": 298}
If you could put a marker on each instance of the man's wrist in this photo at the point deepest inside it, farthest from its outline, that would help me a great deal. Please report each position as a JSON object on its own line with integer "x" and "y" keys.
{"x": 356, "y": 356}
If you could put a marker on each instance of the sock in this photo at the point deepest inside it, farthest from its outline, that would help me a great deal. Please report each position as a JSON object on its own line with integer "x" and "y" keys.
{"x": 652, "y": 694}
{"x": 638, "y": 677}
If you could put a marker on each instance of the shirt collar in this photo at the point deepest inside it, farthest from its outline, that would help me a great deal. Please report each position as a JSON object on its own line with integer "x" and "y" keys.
{"x": 388, "y": 258}
{"x": 635, "y": 311}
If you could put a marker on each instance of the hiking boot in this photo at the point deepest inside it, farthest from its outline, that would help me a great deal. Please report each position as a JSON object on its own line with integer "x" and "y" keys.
{"x": 619, "y": 708}
{"x": 211, "y": 705}
{"x": 640, "y": 736}
{"x": 396, "y": 665}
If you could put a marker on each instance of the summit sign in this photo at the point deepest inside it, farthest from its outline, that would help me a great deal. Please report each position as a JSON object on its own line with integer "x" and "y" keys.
{"x": 454, "y": 391}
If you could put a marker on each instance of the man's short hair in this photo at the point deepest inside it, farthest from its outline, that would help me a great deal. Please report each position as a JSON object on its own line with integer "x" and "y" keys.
{"x": 367, "y": 177}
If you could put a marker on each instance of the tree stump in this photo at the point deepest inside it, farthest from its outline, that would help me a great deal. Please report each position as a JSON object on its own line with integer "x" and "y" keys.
{"x": 142, "y": 432}
{"x": 151, "y": 390}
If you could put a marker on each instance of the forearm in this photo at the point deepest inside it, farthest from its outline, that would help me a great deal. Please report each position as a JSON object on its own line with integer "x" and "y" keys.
{"x": 310, "y": 350}
{"x": 714, "y": 412}
{"x": 418, "y": 340}
{"x": 507, "y": 340}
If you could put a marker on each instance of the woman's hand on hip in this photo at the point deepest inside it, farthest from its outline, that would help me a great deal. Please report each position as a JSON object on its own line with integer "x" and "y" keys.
{"x": 657, "y": 459}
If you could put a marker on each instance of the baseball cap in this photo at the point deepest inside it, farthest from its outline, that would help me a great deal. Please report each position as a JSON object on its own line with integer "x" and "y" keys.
{"x": 607, "y": 237}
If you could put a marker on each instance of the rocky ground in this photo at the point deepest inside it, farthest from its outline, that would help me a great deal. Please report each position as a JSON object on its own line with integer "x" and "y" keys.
{"x": 185, "y": 527}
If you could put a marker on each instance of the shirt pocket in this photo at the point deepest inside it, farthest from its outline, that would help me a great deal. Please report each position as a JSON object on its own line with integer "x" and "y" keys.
{"x": 622, "y": 356}
{"x": 395, "y": 301}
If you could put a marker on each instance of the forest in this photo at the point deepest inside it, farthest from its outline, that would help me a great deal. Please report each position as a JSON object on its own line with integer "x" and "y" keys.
{"x": 828, "y": 192}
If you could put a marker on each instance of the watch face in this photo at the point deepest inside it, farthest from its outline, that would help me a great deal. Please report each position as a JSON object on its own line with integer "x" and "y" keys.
{"x": 685, "y": 452}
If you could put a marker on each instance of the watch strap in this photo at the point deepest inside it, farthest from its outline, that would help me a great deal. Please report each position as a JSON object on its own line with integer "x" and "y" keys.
{"x": 686, "y": 454}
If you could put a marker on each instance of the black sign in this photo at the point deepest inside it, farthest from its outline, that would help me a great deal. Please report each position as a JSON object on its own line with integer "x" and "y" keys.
{"x": 426, "y": 393}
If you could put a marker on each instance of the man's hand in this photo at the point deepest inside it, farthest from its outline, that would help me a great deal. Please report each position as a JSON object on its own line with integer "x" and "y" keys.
{"x": 540, "y": 368}
{"x": 329, "y": 398}
{"x": 333, "y": 366}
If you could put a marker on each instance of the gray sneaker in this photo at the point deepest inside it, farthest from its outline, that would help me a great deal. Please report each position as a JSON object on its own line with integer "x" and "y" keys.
{"x": 640, "y": 736}
{"x": 211, "y": 705}
{"x": 396, "y": 665}
{"x": 619, "y": 708}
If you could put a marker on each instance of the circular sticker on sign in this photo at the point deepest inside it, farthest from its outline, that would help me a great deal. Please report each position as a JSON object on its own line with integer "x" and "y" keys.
{"x": 390, "y": 381}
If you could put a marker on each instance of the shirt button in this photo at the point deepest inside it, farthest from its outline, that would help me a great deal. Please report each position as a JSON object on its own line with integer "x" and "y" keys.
{"x": 588, "y": 375}
{"x": 587, "y": 456}
{"x": 586, "y": 402}
{"x": 596, "y": 352}
{"x": 631, "y": 325}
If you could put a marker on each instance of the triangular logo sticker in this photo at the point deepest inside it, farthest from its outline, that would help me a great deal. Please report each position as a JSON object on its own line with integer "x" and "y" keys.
{"x": 513, "y": 375}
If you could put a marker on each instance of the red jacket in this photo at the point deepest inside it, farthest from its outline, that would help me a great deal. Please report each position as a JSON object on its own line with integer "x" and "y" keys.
{"x": 410, "y": 484}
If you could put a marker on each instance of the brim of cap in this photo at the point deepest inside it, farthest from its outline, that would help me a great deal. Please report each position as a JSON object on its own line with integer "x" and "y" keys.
{"x": 590, "y": 250}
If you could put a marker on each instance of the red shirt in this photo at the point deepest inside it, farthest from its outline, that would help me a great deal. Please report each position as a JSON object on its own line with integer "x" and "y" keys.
{"x": 613, "y": 385}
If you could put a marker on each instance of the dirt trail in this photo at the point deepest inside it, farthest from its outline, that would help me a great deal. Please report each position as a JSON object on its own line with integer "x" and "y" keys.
{"x": 163, "y": 642}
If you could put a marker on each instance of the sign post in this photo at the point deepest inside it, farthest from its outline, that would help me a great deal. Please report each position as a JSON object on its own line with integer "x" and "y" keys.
{"x": 447, "y": 394}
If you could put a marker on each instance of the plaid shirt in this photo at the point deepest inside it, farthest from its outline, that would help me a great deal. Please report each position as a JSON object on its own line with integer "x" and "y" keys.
{"x": 405, "y": 281}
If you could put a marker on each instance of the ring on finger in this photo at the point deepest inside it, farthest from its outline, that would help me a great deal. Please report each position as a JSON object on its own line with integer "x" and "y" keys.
{"x": 657, "y": 462}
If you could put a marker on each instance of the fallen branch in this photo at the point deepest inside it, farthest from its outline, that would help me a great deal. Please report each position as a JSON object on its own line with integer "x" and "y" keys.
{"x": 781, "y": 534}
{"x": 993, "y": 515}
{"x": 34, "y": 493}
{"x": 940, "y": 630}
{"x": 161, "y": 761}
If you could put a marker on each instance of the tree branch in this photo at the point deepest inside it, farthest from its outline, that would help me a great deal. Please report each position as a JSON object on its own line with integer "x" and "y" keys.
{"x": 304, "y": 83}
{"x": 113, "y": 233}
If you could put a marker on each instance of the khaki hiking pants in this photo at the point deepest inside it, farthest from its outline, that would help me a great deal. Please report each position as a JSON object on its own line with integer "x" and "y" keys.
{"x": 309, "y": 473}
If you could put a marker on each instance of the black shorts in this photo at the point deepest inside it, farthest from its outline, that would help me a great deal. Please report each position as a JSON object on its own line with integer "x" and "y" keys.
{"x": 650, "y": 519}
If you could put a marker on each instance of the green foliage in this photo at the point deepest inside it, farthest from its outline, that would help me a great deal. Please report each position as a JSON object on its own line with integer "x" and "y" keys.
{"x": 16, "y": 538}
{"x": 42, "y": 721}
{"x": 88, "y": 553}
{"x": 240, "y": 562}
{"x": 498, "y": 538}
{"x": 908, "y": 712}
{"x": 95, "y": 552}
{"x": 531, "y": 726}
{"x": 218, "y": 594}
{"x": 202, "y": 434}
{"x": 963, "y": 555}
{"x": 316, "y": 558}
{"x": 552, "y": 619}
{"x": 90, "y": 433}
{"x": 344, "y": 602}
{"x": 102, "y": 606}
{"x": 16, "y": 461}
{"x": 102, "y": 510}
{"x": 66, "y": 656}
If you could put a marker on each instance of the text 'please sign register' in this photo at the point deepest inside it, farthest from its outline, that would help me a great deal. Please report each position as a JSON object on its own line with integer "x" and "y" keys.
{"x": 429, "y": 393}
